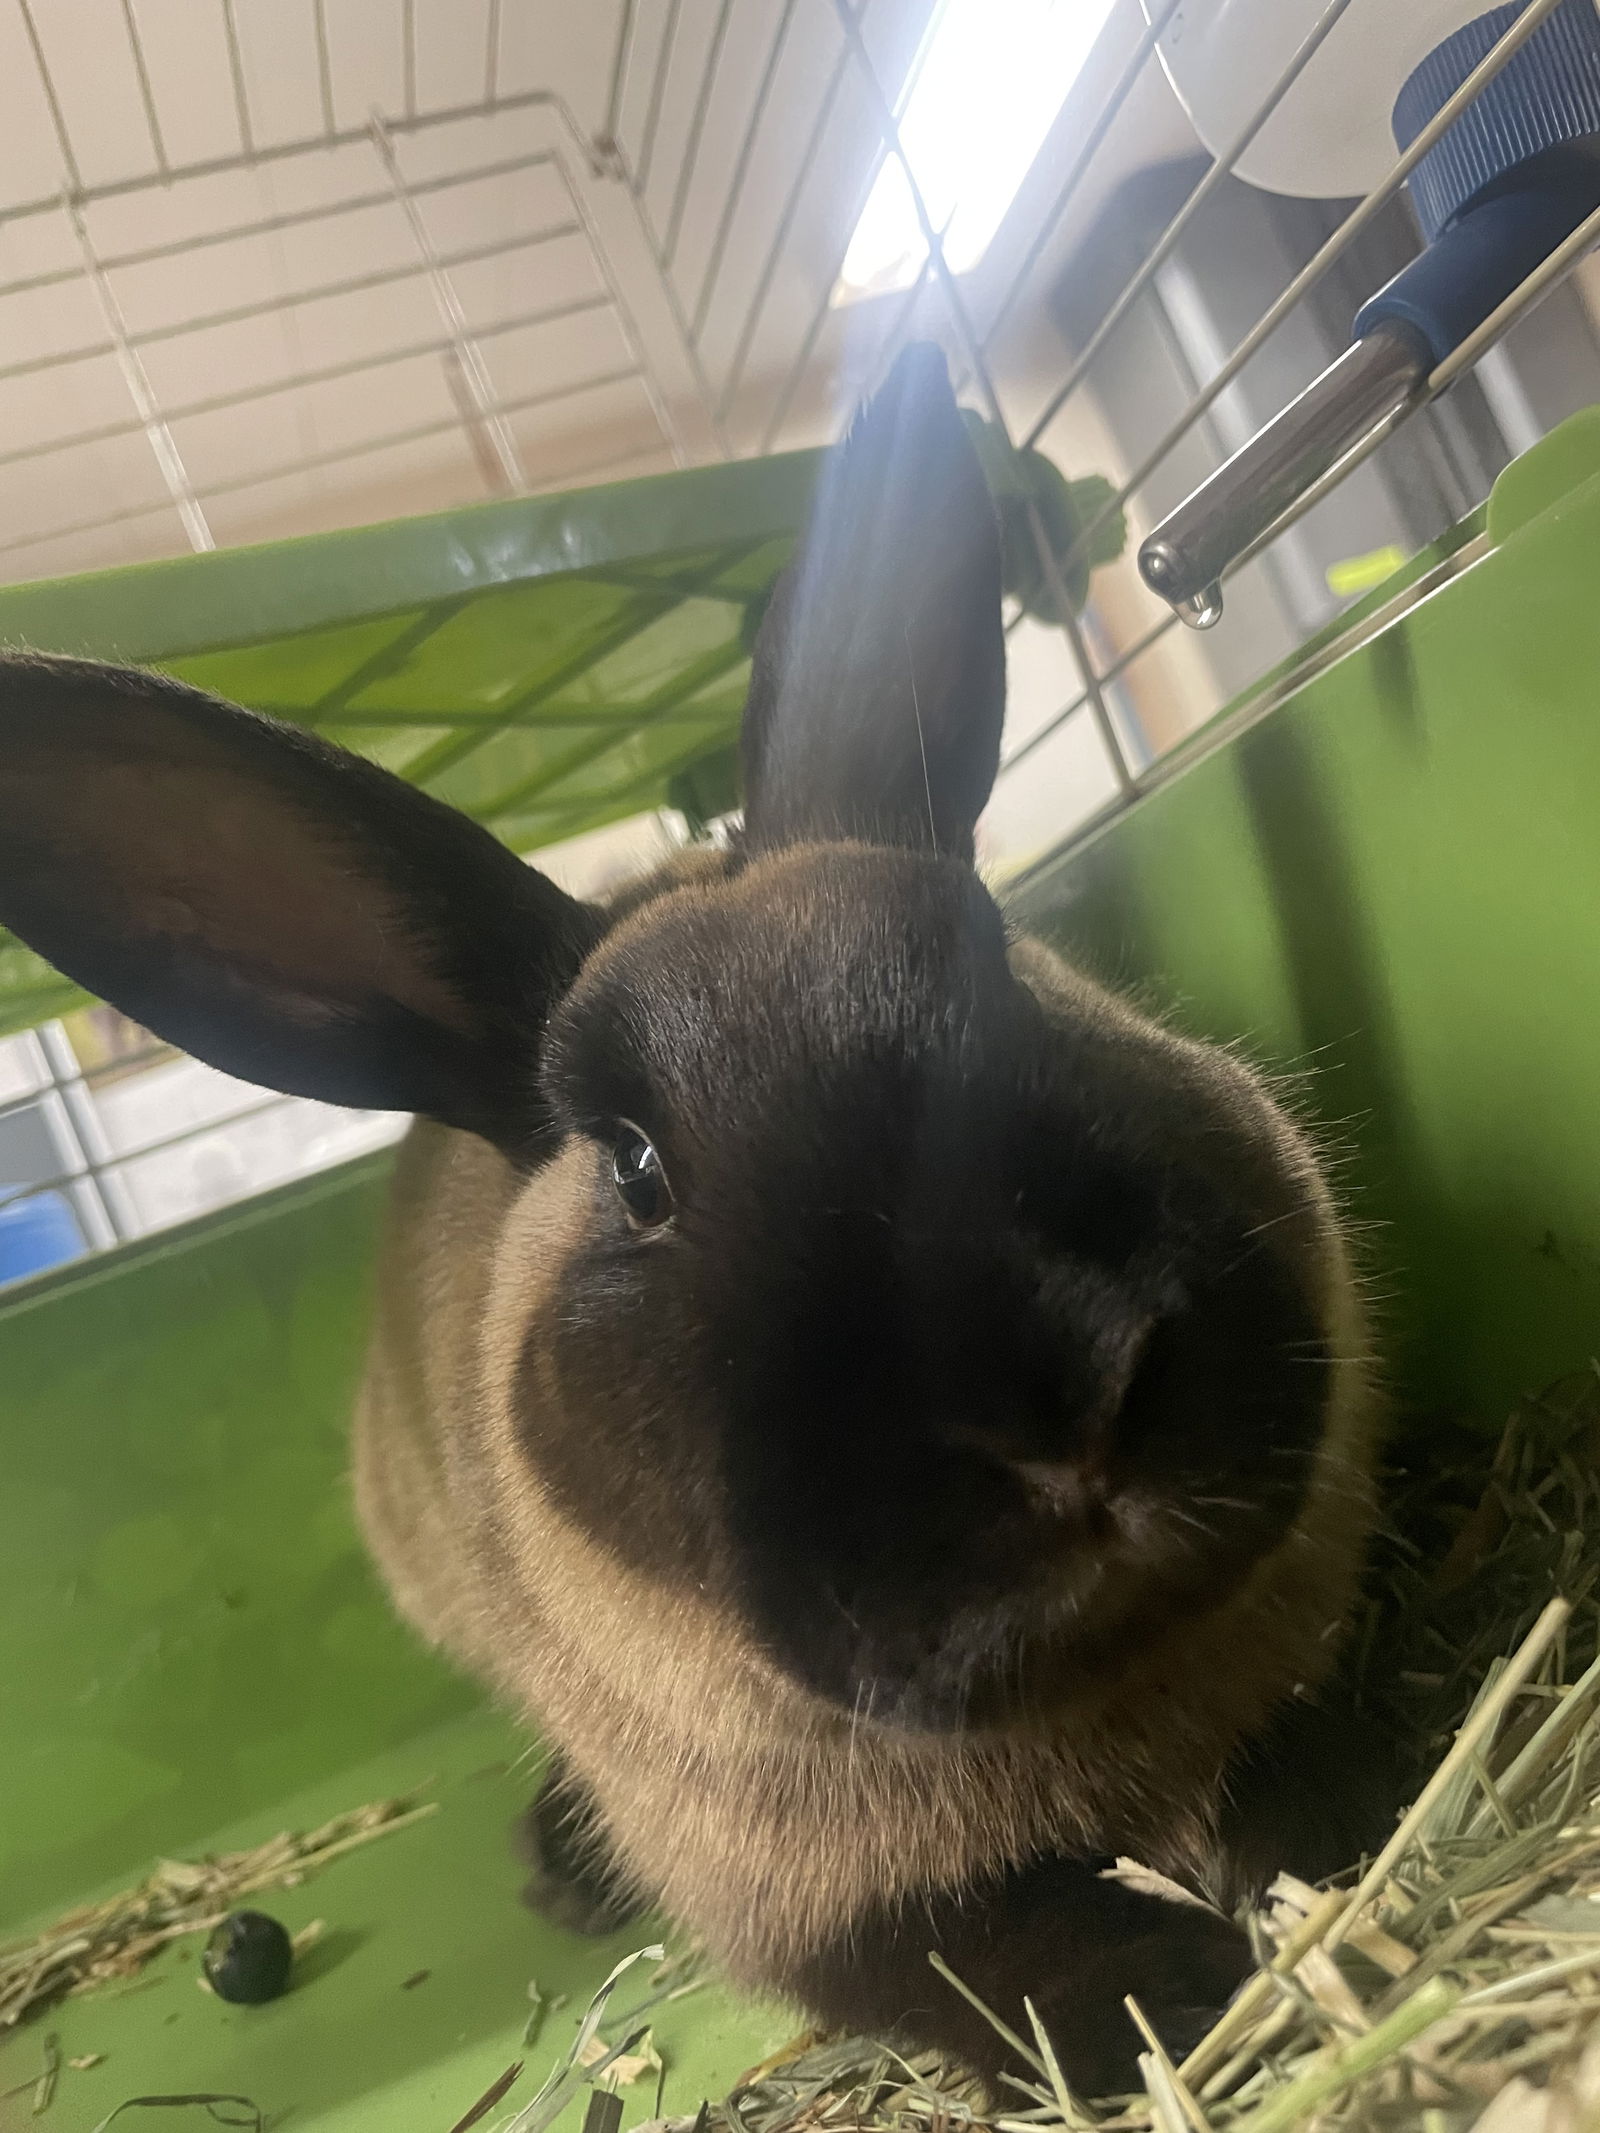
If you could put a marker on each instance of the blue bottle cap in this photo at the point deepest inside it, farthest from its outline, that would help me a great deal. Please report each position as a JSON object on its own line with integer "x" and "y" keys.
{"x": 1546, "y": 94}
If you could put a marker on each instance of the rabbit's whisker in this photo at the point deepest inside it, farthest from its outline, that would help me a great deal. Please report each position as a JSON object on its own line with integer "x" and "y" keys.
{"x": 922, "y": 742}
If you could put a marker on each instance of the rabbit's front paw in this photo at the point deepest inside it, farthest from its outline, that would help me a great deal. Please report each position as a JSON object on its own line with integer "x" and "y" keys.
{"x": 581, "y": 1904}
{"x": 1182, "y": 1977}
{"x": 573, "y": 1882}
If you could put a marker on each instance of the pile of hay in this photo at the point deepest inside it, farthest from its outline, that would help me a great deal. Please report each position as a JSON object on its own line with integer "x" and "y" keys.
{"x": 1450, "y": 1985}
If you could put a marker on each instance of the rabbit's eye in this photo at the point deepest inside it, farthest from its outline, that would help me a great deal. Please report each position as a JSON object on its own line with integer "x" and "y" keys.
{"x": 640, "y": 1180}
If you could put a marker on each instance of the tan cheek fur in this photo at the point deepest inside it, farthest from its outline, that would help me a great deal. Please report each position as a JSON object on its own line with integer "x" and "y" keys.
{"x": 762, "y": 1818}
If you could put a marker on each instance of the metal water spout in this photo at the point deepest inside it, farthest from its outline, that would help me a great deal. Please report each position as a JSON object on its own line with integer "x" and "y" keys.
{"x": 1500, "y": 127}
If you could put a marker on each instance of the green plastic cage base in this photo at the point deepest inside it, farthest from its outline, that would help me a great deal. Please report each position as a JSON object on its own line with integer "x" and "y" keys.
{"x": 414, "y": 1999}
{"x": 548, "y": 665}
{"x": 194, "y": 1656}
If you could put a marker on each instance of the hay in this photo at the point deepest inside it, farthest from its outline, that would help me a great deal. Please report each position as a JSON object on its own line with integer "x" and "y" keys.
{"x": 1450, "y": 1985}
{"x": 115, "y": 1939}
{"x": 222, "y": 2110}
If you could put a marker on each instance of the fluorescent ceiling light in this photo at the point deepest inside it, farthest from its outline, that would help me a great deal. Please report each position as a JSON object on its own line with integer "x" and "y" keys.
{"x": 981, "y": 95}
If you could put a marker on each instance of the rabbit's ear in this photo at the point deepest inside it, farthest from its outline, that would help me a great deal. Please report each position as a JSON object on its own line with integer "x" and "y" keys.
{"x": 879, "y": 683}
{"x": 276, "y": 906}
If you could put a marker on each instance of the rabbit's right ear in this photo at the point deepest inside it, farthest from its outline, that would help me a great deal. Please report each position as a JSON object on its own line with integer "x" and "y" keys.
{"x": 282, "y": 909}
{"x": 878, "y": 690}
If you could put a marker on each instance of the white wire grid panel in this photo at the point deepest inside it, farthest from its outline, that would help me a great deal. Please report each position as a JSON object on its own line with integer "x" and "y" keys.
{"x": 127, "y": 1150}
{"x": 271, "y": 266}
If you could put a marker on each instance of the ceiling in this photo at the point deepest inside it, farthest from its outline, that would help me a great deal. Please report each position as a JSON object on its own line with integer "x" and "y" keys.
{"x": 583, "y": 241}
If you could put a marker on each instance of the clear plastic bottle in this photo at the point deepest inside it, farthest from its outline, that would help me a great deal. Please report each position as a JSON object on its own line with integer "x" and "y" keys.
{"x": 1330, "y": 138}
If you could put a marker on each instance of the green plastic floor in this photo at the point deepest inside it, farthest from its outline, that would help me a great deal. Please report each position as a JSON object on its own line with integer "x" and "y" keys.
{"x": 353, "y": 2047}
{"x": 194, "y": 1656}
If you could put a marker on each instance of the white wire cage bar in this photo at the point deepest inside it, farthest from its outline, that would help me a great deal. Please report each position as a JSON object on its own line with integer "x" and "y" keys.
{"x": 974, "y": 340}
{"x": 974, "y": 333}
{"x": 690, "y": 302}
{"x": 605, "y": 153}
{"x": 125, "y": 1171}
{"x": 568, "y": 239}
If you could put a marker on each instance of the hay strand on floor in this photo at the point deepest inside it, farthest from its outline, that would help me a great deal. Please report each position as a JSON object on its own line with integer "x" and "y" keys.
{"x": 107, "y": 1941}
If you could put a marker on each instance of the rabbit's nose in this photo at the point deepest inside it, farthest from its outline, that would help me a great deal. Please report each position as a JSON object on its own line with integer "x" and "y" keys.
{"x": 1062, "y": 1411}
{"x": 1119, "y": 1354}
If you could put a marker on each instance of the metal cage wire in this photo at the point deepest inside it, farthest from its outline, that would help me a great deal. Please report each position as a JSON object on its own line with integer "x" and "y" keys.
{"x": 693, "y": 362}
{"x": 975, "y": 343}
{"x": 577, "y": 159}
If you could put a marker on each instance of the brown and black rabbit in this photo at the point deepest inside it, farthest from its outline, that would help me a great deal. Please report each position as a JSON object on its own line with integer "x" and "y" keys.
{"x": 893, "y": 1417}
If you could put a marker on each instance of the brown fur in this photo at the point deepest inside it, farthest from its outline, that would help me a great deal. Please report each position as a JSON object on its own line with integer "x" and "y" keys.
{"x": 763, "y": 1818}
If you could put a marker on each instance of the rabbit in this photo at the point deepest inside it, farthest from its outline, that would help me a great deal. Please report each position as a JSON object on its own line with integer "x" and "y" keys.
{"x": 894, "y": 1418}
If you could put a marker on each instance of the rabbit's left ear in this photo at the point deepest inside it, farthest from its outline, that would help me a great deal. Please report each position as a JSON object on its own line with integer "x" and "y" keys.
{"x": 285, "y": 911}
{"x": 879, "y": 685}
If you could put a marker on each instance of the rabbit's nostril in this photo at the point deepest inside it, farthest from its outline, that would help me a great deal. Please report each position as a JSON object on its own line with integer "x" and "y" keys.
{"x": 1064, "y": 1413}
{"x": 1120, "y": 1355}
{"x": 1067, "y": 1490}
{"x": 1146, "y": 1388}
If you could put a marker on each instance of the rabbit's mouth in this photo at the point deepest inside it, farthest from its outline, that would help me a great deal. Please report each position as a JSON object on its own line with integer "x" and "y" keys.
{"x": 950, "y": 1555}
{"x": 1040, "y": 1615}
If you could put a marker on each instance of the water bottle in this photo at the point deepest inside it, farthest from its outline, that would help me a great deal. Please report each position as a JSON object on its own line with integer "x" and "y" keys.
{"x": 1507, "y": 184}
{"x": 1330, "y": 138}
